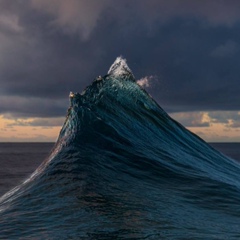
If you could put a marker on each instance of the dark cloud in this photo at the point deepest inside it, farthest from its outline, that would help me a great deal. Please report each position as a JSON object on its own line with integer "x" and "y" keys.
{"x": 19, "y": 107}
{"x": 227, "y": 49}
{"x": 49, "y": 48}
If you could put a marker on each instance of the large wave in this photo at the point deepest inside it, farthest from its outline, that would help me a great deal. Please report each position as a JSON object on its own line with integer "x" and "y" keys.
{"x": 123, "y": 169}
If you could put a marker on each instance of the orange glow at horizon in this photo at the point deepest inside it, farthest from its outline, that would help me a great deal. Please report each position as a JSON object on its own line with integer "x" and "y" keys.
{"x": 19, "y": 130}
{"x": 11, "y": 133}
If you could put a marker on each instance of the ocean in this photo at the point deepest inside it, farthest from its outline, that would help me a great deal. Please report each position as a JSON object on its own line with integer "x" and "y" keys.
{"x": 121, "y": 168}
{"x": 19, "y": 160}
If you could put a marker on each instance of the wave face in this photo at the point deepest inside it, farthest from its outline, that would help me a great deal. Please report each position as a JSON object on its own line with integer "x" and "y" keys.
{"x": 123, "y": 169}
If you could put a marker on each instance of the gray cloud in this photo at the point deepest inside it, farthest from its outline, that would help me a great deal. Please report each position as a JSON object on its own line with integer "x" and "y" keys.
{"x": 231, "y": 119}
{"x": 73, "y": 16}
{"x": 83, "y": 16}
{"x": 20, "y": 107}
{"x": 49, "y": 48}
{"x": 235, "y": 124}
{"x": 191, "y": 119}
{"x": 224, "y": 117}
{"x": 226, "y": 50}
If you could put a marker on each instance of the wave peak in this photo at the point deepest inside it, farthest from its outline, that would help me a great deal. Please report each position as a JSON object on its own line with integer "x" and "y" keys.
{"x": 120, "y": 69}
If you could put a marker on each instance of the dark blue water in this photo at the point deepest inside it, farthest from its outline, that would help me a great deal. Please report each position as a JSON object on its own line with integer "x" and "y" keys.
{"x": 18, "y": 161}
{"x": 123, "y": 169}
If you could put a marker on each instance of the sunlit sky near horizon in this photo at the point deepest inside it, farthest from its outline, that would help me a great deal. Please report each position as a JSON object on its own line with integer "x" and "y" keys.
{"x": 186, "y": 53}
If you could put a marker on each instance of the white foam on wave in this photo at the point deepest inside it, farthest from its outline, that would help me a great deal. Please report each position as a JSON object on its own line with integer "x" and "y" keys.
{"x": 120, "y": 68}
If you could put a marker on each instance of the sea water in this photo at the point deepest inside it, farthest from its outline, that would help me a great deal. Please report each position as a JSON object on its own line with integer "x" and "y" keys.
{"x": 19, "y": 160}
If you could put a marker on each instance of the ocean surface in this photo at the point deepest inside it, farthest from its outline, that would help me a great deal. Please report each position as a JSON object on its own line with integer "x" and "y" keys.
{"x": 121, "y": 168}
{"x": 19, "y": 160}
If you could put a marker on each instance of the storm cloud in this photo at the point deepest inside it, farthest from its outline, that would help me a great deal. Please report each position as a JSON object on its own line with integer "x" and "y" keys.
{"x": 49, "y": 48}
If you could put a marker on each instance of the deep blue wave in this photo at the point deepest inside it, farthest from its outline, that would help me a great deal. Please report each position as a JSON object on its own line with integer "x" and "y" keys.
{"x": 123, "y": 169}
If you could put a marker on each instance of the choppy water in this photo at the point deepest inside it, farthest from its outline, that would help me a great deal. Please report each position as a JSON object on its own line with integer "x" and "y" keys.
{"x": 123, "y": 169}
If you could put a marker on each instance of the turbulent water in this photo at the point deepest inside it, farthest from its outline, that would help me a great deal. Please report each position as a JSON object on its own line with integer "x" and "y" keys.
{"x": 123, "y": 169}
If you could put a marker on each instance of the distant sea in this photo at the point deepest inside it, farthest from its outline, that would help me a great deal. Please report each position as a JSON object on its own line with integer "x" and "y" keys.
{"x": 19, "y": 160}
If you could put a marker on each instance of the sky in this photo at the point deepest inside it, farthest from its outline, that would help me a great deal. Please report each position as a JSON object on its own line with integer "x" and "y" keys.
{"x": 186, "y": 52}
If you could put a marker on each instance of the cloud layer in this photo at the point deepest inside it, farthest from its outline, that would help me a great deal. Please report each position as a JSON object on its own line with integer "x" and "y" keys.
{"x": 49, "y": 48}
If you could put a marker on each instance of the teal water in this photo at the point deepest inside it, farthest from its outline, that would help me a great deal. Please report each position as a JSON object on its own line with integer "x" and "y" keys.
{"x": 19, "y": 160}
